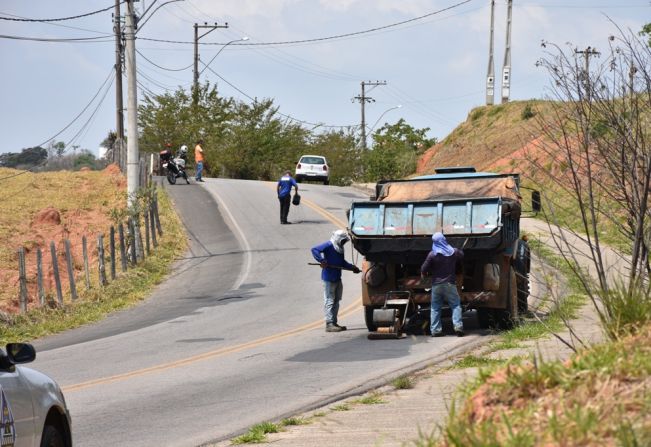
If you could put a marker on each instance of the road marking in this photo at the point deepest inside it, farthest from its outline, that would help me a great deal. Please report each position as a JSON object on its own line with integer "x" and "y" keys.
{"x": 207, "y": 355}
{"x": 244, "y": 272}
{"x": 352, "y": 308}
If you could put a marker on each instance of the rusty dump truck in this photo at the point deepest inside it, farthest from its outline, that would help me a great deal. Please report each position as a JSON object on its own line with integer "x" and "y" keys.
{"x": 478, "y": 212}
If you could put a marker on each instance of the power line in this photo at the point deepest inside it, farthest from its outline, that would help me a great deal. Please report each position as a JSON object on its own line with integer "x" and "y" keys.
{"x": 279, "y": 113}
{"x": 323, "y": 39}
{"x": 62, "y": 25}
{"x": 162, "y": 68}
{"x": 61, "y": 19}
{"x": 71, "y": 40}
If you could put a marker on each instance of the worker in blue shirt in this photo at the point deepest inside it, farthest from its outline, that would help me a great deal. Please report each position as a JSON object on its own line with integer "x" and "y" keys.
{"x": 330, "y": 255}
{"x": 284, "y": 190}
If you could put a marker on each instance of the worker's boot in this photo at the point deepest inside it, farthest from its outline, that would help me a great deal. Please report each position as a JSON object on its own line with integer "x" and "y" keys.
{"x": 330, "y": 327}
{"x": 343, "y": 328}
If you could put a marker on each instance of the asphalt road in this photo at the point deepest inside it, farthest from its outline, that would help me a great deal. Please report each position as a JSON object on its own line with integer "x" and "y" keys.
{"x": 235, "y": 336}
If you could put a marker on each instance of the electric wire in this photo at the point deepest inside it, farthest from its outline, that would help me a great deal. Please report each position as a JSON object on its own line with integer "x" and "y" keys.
{"x": 67, "y": 40}
{"x": 255, "y": 101}
{"x": 61, "y": 19}
{"x": 328, "y": 38}
{"x": 161, "y": 67}
{"x": 61, "y": 25}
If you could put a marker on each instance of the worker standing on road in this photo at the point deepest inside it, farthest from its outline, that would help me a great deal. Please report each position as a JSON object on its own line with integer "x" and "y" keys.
{"x": 284, "y": 190}
{"x": 330, "y": 255}
{"x": 441, "y": 264}
{"x": 198, "y": 159}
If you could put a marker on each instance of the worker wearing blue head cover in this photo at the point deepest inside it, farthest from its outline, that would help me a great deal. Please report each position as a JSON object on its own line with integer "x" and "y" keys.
{"x": 284, "y": 189}
{"x": 330, "y": 255}
{"x": 441, "y": 264}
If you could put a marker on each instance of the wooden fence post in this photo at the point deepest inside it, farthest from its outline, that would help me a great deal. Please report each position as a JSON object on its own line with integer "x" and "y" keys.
{"x": 100, "y": 260}
{"x": 148, "y": 251}
{"x": 71, "y": 272}
{"x": 112, "y": 251}
{"x": 152, "y": 221}
{"x": 132, "y": 240}
{"x": 140, "y": 249}
{"x": 22, "y": 275}
{"x": 55, "y": 270}
{"x": 123, "y": 250}
{"x": 84, "y": 252}
{"x": 160, "y": 229}
{"x": 39, "y": 276}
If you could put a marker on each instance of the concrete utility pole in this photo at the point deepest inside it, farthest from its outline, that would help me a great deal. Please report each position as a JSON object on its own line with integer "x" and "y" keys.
{"x": 133, "y": 153}
{"x": 363, "y": 99}
{"x": 211, "y": 28}
{"x": 589, "y": 51}
{"x": 490, "y": 75}
{"x": 506, "y": 68}
{"x": 118, "y": 147}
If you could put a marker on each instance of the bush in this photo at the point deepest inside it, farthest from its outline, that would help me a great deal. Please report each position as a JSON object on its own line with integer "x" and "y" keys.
{"x": 527, "y": 112}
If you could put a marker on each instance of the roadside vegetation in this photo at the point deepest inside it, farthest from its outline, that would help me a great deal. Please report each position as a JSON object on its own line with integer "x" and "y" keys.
{"x": 97, "y": 196}
{"x": 597, "y": 139}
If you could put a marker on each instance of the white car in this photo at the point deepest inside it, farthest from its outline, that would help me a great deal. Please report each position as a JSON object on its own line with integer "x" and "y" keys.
{"x": 312, "y": 167}
{"x": 33, "y": 411}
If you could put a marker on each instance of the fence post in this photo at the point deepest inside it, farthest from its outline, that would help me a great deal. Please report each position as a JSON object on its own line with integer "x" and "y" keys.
{"x": 55, "y": 270}
{"x": 132, "y": 240}
{"x": 112, "y": 250}
{"x": 84, "y": 252}
{"x": 71, "y": 273}
{"x": 152, "y": 221}
{"x": 148, "y": 251}
{"x": 123, "y": 251}
{"x": 139, "y": 245}
{"x": 160, "y": 229}
{"x": 100, "y": 260}
{"x": 22, "y": 272}
{"x": 39, "y": 276}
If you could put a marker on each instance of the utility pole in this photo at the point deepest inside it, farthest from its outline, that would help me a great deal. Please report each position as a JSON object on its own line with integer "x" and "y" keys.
{"x": 490, "y": 75}
{"x": 210, "y": 28}
{"x": 506, "y": 67}
{"x": 133, "y": 153}
{"x": 118, "y": 147}
{"x": 363, "y": 99}
{"x": 589, "y": 51}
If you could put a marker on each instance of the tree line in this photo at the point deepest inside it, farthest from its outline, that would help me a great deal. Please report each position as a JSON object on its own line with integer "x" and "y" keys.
{"x": 253, "y": 141}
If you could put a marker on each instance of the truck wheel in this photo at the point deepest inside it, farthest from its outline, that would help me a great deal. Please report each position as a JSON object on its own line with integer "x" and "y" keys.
{"x": 523, "y": 294}
{"x": 368, "y": 318}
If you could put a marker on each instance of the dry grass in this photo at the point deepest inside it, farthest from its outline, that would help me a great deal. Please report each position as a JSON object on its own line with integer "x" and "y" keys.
{"x": 84, "y": 201}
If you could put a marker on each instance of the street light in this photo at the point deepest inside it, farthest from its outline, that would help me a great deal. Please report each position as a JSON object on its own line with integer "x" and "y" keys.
{"x": 243, "y": 39}
{"x": 383, "y": 113}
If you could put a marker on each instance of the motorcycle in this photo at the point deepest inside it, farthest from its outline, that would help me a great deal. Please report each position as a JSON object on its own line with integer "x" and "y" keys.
{"x": 175, "y": 167}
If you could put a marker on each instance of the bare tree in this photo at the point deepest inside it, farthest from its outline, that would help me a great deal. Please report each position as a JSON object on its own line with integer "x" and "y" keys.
{"x": 598, "y": 140}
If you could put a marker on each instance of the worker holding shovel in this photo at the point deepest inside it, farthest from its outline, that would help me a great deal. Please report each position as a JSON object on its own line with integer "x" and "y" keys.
{"x": 330, "y": 255}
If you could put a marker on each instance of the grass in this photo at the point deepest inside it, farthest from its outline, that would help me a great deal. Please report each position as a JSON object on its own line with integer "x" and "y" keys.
{"x": 402, "y": 383}
{"x": 256, "y": 434}
{"x": 94, "y": 304}
{"x": 294, "y": 421}
{"x": 473, "y": 361}
{"x": 341, "y": 407}
{"x": 370, "y": 399}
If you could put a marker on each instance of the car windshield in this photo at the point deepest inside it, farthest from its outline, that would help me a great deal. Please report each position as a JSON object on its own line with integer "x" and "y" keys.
{"x": 313, "y": 160}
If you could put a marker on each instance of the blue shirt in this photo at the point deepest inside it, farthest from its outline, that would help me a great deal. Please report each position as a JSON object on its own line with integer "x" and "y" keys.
{"x": 285, "y": 185}
{"x": 326, "y": 252}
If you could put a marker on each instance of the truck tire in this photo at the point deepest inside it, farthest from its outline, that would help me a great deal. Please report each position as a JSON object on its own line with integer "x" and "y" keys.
{"x": 523, "y": 294}
{"x": 368, "y": 318}
{"x": 502, "y": 318}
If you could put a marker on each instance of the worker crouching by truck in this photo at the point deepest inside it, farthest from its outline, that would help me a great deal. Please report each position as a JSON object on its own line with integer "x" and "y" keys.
{"x": 330, "y": 255}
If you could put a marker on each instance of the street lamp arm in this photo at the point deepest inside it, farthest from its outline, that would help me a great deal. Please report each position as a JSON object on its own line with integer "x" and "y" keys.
{"x": 384, "y": 113}
{"x": 220, "y": 50}
{"x": 154, "y": 12}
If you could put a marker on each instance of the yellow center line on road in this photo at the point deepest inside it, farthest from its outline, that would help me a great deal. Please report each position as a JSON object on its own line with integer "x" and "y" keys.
{"x": 355, "y": 306}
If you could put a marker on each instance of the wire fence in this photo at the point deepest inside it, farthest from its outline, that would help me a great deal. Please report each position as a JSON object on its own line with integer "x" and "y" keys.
{"x": 51, "y": 275}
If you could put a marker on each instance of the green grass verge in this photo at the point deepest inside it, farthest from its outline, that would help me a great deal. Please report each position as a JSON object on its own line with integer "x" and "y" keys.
{"x": 94, "y": 304}
{"x": 403, "y": 383}
{"x": 370, "y": 399}
{"x": 256, "y": 434}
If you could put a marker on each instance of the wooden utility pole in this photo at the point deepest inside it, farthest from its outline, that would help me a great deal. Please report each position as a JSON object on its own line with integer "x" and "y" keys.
{"x": 589, "y": 51}
{"x": 363, "y": 99}
{"x": 118, "y": 147}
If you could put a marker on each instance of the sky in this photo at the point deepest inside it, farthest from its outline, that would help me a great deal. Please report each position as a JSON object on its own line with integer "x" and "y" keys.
{"x": 435, "y": 67}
